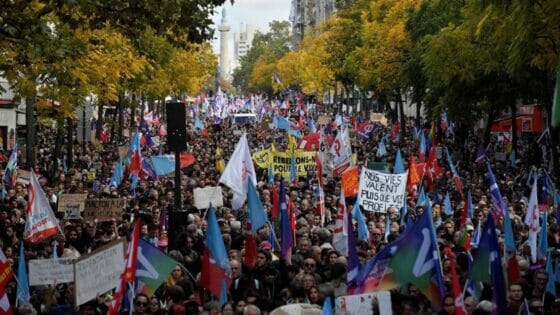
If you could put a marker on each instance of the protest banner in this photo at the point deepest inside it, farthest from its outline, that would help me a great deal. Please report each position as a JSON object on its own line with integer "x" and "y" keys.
{"x": 103, "y": 209}
{"x": 71, "y": 205}
{"x": 364, "y": 304}
{"x": 378, "y": 191}
{"x": 323, "y": 120}
{"x": 378, "y": 117}
{"x": 379, "y": 166}
{"x": 204, "y": 196}
{"x": 98, "y": 272}
{"x": 281, "y": 161}
{"x": 500, "y": 156}
{"x": 23, "y": 177}
{"x": 51, "y": 271}
{"x": 350, "y": 181}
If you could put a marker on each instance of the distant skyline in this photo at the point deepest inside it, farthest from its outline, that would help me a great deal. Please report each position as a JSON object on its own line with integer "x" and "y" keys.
{"x": 258, "y": 13}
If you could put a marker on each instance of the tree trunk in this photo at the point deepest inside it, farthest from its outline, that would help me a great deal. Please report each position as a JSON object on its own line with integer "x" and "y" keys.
{"x": 114, "y": 123}
{"x": 59, "y": 142}
{"x": 69, "y": 143}
{"x": 401, "y": 115}
{"x": 99, "y": 121}
{"x": 120, "y": 108}
{"x": 513, "y": 107}
{"x": 31, "y": 137}
{"x": 491, "y": 117}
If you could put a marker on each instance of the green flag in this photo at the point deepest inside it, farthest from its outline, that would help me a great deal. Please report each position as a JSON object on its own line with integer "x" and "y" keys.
{"x": 555, "y": 122}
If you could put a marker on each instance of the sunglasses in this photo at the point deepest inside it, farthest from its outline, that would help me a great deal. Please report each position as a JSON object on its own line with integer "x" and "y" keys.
{"x": 141, "y": 303}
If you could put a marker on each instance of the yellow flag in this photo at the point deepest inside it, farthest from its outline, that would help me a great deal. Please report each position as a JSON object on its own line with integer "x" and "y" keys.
{"x": 220, "y": 164}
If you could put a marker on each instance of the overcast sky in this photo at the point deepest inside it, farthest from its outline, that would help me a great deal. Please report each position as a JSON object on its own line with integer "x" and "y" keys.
{"x": 253, "y": 12}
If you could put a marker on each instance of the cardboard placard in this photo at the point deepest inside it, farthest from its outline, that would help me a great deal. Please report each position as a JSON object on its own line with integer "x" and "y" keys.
{"x": 71, "y": 205}
{"x": 123, "y": 151}
{"x": 103, "y": 209}
{"x": 323, "y": 120}
{"x": 500, "y": 156}
{"x": 98, "y": 272}
{"x": 363, "y": 303}
{"x": 51, "y": 271}
{"x": 204, "y": 196}
{"x": 378, "y": 117}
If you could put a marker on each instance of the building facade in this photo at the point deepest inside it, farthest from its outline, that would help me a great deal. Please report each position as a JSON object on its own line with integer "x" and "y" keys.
{"x": 306, "y": 14}
{"x": 242, "y": 41}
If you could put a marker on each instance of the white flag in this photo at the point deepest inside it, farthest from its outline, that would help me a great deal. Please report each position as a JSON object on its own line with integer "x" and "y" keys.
{"x": 532, "y": 220}
{"x": 342, "y": 152}
{"x": 41, "y": 222}
{"x": 340, "y": 237}
{"x": 239, "y": 165}
{"x": 5, "y": 307}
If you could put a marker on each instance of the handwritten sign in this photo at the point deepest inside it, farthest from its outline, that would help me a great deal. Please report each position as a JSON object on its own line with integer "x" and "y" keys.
{"x": 364, "y": 304}
{"x": 123, "y": 151}
{"x": 51, "y": 271}
{"x": 204, "y": 196}
{"x": 103, "y": 209}
{"x": 323, "y": 120}
{"x": 23, "y": 176}
{"x": 71, "y": 205}
{"x": 380, "y": 191}
{"x": 98, "y": 272}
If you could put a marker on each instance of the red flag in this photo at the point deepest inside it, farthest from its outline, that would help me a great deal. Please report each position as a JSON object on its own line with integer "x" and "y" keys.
{"x": 395, "y": 129}
{"x": 275, "y": 202}
{"x": 6, "y": 272}
{"x": 456, "y": 287}
{"x": 310, "y": 142}
{"x": 186, "y": 160}
{"x": 250, "y": 247}
{"x": 129, "y": 272}
{"x": 319, "y": 169}
{"x": 135, "y": 163}
{"x": 431, "y": 168}
{"x": 413, "y": 177}
{"x": 514, "y": 274}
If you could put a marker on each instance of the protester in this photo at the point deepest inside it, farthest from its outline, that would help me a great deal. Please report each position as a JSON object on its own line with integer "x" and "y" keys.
{"x": 265, "y": 271}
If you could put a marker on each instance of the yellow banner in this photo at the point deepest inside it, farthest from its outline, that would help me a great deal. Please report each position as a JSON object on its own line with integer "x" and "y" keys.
{"x": 281, "y": 161}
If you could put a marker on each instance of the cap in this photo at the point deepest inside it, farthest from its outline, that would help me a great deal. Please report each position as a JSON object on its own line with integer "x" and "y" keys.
{"x": 265, "y": 245}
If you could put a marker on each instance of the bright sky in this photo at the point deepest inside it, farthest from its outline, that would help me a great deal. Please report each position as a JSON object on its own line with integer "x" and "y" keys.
{"x": 253, "y": 12}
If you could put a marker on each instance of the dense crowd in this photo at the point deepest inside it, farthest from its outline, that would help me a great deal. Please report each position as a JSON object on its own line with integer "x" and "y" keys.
{"x": 317, "y": 269}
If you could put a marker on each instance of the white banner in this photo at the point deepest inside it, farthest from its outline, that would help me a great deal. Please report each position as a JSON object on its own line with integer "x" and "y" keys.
{"x": 51, "y": 271}
{"x": 363, "y": 304}
{"x": 379, "y": 191}
{"x": 204, "y": 196}
{"x": 98, "y": 272}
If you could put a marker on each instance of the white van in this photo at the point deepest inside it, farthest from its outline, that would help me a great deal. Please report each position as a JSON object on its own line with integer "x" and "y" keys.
{"x": 241, "y": 119}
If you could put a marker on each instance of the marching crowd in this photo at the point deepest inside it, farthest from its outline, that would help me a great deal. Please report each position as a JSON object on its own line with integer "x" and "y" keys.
{"x": 317, "y": 269}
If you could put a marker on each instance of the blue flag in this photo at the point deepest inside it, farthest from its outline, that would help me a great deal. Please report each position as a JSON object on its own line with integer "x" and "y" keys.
{"x": 498, "y": 204}
{"x": 399, "y": 165}
{"x": 23, "y": 284}
{"x": 470, "y": 211}
{"x": 286, "y": 231}
{"x": 257, "y": 216}
{"x": 542, "y": 249}
{"x": 353, "y": 262}
{"x": 327, "y": 307}
{"x": 363, "y": 233}
{"x": 551, "y": 284}
{"x": 508, "y": 236}
{"x": 293, "y": 171}
{"x": 513, "y": 159}
{"x": 488, "y": 254}
{"x": 270, "y": 174}
{"x": 163, "y": 164}
{"x": 447, "y": 205}
{"x": 217, "y": 250}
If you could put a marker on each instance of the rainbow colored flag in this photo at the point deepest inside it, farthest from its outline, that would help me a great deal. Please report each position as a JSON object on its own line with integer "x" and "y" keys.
{"x": 413, "y": 258}
{"x": 152, "y": 269}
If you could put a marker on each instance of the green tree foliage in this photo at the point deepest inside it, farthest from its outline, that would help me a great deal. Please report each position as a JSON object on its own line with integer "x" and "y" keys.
{"x": 265, "y": 50}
